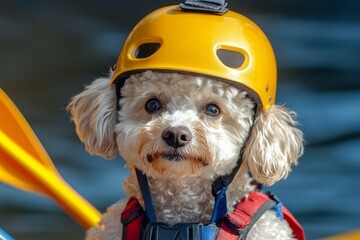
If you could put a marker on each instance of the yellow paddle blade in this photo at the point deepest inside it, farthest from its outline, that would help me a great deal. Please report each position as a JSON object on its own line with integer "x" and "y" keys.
{"x": 14, "y": 125}
{"x": 15, "y": 182}
{"x": 25, "y": 164}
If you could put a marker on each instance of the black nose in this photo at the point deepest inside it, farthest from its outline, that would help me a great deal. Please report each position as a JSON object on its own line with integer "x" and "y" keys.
{"x": 177, "y": 136}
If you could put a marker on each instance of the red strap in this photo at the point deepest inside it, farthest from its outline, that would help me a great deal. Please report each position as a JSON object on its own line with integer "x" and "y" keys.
{"x": 236, "y": 225}
{"x": 242, "y": 216}
{"x": 298, "y": 231}
{"x": 225, "y": 233}
{"x": 132, "y": 218}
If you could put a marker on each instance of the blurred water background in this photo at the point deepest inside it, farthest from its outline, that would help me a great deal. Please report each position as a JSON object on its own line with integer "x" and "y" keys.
{"x": 50, "y": 49}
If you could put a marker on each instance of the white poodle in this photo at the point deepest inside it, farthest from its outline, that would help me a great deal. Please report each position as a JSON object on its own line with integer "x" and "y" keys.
{"x": 183, "y": 131}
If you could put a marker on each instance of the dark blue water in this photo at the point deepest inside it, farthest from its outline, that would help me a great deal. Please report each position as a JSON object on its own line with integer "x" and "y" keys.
{"x": 49, "y": 51}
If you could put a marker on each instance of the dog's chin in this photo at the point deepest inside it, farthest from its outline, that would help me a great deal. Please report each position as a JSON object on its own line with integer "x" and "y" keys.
{"x": 173, "y": 164}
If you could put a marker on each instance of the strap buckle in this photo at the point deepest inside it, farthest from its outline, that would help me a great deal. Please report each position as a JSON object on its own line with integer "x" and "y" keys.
{"x": 163, "y": 231}
{"x": 210, "y": 6}
{"x": 278, "y": 207}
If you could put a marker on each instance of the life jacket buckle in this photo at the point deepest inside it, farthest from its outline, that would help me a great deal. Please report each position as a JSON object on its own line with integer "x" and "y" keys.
{"x": 163, "y": 231}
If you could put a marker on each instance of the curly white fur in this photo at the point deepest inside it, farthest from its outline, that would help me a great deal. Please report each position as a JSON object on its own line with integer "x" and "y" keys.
{"x": 181, "y": 190}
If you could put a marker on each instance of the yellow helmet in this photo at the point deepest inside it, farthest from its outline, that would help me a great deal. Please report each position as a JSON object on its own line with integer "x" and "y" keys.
{"x": 228, "y": 47}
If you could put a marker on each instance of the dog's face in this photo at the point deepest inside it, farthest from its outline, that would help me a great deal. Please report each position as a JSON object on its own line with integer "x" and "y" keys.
{"x": 176, "y": 125}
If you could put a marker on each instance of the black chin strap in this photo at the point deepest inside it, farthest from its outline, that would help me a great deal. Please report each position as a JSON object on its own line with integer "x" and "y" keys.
{"x": 118, "y": 85}
{"x": 225, "y": 180}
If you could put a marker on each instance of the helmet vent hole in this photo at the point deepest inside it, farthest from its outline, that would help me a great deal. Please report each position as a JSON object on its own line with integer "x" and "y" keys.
{"x": 146, "y": 50}
{"x": 230, "y": 58}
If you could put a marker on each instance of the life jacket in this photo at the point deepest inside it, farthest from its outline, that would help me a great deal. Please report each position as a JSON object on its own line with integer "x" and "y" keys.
{"x": 235, "y": 225}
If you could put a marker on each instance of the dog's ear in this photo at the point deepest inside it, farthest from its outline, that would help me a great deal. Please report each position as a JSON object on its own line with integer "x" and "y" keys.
{"x": 94, "y": 114}
{"x": 274, "y": 145}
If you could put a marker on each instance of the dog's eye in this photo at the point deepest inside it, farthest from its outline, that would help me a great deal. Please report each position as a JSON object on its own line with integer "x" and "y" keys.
{"x": 212, "y": 110}
{"x": 152, "y": 105}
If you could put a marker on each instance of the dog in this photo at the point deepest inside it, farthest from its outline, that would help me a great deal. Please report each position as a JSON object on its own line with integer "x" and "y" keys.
{"x": 183, "y": 131}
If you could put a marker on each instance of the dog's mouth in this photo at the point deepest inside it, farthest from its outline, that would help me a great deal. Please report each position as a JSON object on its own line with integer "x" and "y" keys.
{"x": 171, "y": 156}
{"x": 175, "y": 157}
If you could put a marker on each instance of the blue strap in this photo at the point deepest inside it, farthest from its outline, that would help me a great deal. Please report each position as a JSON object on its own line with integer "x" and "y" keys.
{"x": 145, "y": 190}
{"x": 209, "y": 232}
{"x": 220, "y": 207}
{"x": 4, "y": 235}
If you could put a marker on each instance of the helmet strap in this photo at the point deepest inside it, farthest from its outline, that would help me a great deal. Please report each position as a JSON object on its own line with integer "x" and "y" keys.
{"x": 219, "y": 187}
{"x": 225, "y": 180}
{"x": 118, "y": 85}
